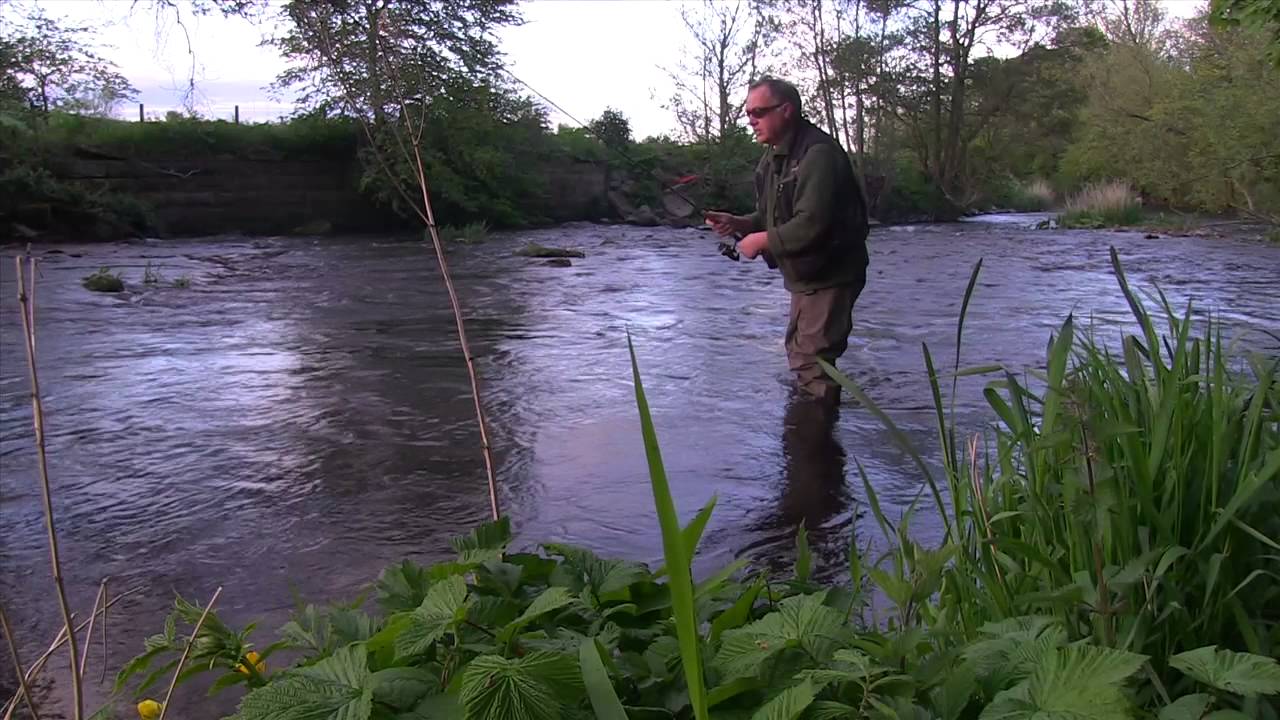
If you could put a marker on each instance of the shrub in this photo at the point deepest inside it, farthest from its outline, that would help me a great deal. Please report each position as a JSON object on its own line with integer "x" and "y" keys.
{"x": 1107, "y": 204}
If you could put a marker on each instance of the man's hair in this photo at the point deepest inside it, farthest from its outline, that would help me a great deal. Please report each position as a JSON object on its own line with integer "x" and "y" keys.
{"x": 780, "y": 89}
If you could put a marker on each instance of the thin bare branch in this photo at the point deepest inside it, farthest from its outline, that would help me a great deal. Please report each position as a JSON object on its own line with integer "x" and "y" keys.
{"x": 58, "y": 641}
{"x": 177, "y": 671}
{"x": 17, "y": 664}
{"x": 88, "y": 636}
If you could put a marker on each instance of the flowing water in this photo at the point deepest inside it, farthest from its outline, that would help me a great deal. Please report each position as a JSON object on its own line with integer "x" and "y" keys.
{"x": 300, "y": 416}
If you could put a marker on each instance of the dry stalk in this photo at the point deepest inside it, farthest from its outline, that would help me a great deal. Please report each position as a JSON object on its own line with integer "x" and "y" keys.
{"x": 59, "y": 641}
{"x": 27, "y": 304}
{"x": 186, "y": 651}
{"x": 17, "y": 664}
{"x": 88, "y": 636}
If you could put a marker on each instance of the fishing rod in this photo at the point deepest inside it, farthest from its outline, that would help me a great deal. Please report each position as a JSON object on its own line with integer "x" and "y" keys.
{"x": 727, "y": 248}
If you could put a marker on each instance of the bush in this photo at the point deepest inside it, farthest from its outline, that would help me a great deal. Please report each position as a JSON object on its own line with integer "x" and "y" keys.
{"x": 1023, "y": 196}
{"x": 33, "y": 196}
{"x": 1108, "y": 204}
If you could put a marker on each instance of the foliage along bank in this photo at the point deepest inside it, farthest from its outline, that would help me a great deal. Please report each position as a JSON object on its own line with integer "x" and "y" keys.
{"x": 1109, "y": 552}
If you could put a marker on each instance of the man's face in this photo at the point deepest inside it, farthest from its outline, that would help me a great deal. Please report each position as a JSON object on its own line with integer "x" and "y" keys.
{"x": 769, "y": 118}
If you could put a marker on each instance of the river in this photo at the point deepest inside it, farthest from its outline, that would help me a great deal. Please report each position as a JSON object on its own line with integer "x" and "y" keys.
{"x": 300, "y": 417}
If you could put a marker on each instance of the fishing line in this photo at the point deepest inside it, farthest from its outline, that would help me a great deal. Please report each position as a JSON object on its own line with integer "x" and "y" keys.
{"x": 728, "y": 249}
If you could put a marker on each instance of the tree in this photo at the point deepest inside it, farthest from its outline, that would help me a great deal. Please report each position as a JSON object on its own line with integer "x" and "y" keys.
{"x": 379, "y": 49}
{"x": 711, "y": 84}
{"x": 1261, "y": 14}
{"x": 55, "y": 69}
{"x": 612, "y": 128}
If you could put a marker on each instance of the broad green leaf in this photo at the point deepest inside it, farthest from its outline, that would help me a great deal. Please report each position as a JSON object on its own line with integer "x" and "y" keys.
{"x": 950, "y": 700}
{"x": 550, "y": 600}
{"x": 489, "y": 536}
{"x": 557, "y": 670}
{"x": 789, "y": 704}
{"x": 403, "y": 586}
{"x": 604, "y": 700}
{"x": 1014, "y": 648}
{"x": 1078, "y": 681}
{"x": 403, "y": 687}
{"x": 896, "y": 589}
{"x": 440, "y": 610}
{"x": 801, "y": 621}
{"x": 503, "y": 577}
{"x": 468, "y": 559}
{"x": 435, "y": 707}
{"x": 496, "y": 688}
{"x": 831, "y": 710}
{"x": 351, "y": 625}
{"x": 336, "y": 688}
{"x": 1189, "y": 707}
{"x": 730, "y": 690}
{"x": 738, "y": 613}
{"x": 1241, "y": 673}
{"x": 604, "y": 577}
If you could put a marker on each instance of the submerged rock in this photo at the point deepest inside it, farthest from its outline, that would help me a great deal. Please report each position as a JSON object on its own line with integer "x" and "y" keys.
{"x": 535, "y": 250}
{"x": 315, "y": 227}
{"x": 559, "y": 262}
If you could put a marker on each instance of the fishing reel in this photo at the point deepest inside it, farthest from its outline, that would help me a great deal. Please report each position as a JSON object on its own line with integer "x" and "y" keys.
{"x": 729, "y": 248}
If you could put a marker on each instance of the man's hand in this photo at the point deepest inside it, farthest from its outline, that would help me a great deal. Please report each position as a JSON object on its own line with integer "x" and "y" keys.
{"x": 753, "y": 244}
{"x": 726, "y": 224}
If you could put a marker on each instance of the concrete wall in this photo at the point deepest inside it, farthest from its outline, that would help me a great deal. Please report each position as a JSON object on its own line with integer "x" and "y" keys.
{"x": 275, "y": 196}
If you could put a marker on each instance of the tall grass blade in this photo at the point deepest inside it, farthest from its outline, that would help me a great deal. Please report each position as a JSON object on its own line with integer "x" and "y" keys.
{"x": 804, "y": 557}
{"x": 899, "y": 437}
{"x": 604, "y": 700}
{"x": 681, "y": 582}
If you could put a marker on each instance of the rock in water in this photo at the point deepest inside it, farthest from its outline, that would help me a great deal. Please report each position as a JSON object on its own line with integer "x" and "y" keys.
{"x": 560, "y": 262}
{"x": 535, "y": 250}
{"x": 644, "y": 216}
{"x": 315, "y": 227}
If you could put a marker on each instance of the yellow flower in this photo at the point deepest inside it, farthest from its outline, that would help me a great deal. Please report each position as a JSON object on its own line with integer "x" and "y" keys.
{"x": 149, "y": 709}
{"x": 252, "y": 656}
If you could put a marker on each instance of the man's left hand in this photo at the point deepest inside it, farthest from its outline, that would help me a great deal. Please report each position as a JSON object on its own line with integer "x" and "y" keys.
{"x": 753, "y": 244}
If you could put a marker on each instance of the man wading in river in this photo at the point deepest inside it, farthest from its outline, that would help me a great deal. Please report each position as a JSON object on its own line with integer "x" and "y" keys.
{"x": 811, "y": 219}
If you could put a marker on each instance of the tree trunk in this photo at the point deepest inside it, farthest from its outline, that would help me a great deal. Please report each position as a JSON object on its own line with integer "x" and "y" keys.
{"x": 936, "y": 92}
{"x": 858, "y": 78}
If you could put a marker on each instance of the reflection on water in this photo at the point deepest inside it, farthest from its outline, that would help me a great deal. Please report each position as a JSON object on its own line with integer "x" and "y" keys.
{"x": 300, "y": 416}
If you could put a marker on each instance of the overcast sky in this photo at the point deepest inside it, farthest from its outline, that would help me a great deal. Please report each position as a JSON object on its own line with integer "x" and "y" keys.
{"x": 585, "y": 55}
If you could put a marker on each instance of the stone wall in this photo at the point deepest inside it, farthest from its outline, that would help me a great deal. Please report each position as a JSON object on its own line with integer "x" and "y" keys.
{"x": 210, "y": 196}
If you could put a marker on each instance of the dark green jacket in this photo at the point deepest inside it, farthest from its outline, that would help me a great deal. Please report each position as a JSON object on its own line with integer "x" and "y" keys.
{"x": 811, "y": 204}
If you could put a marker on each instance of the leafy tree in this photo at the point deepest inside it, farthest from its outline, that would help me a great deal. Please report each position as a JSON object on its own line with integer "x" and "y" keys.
{"x": 612, "y": 128}
{"x": 1261, "y": 14}
{"x": 51, "y": 66}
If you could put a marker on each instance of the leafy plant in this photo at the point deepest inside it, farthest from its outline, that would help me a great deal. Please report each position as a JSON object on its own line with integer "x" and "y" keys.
{"x": 104, "y": 281}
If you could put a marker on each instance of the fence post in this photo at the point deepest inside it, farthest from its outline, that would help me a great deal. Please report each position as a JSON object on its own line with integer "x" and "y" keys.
{"x": 141, "y": 116}
{"x": 237, "y": 114}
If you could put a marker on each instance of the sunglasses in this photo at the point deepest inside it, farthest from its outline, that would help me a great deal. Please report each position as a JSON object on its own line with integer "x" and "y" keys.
{"x": 760, "y": 112}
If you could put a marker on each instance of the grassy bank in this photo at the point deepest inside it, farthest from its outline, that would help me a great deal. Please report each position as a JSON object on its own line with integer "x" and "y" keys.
{"x": 1110, "y": 552}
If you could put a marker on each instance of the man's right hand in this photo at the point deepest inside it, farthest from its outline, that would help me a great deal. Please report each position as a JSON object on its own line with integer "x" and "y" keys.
{"x": 726, "y": 224}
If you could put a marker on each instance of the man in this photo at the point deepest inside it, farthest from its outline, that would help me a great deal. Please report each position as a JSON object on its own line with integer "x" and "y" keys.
{"x": 811, "y": 220}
